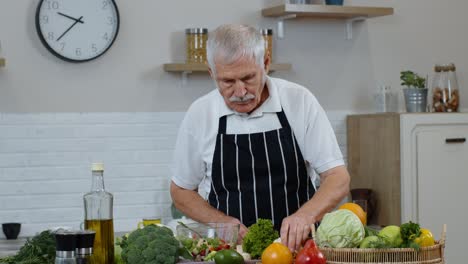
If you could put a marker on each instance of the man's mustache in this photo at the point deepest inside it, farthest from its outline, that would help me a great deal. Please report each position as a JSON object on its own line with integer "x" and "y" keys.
{"x": 244, "y": 98}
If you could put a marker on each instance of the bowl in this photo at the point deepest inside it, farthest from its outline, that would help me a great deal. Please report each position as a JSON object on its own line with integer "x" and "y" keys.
{"x": 11, "y": 230}
{"x": 228, "y": 232}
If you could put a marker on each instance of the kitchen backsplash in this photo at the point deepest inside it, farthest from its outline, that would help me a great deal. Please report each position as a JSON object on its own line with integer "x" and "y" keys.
{"x": 45, "y": 161}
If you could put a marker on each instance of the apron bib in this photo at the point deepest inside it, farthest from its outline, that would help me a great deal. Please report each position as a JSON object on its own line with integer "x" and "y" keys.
{"x": 259, "y": 175}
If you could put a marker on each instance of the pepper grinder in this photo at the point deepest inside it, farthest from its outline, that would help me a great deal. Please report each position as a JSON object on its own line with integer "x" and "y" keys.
{"x": 84, "y": 246}
{"x": 65, "y": 248}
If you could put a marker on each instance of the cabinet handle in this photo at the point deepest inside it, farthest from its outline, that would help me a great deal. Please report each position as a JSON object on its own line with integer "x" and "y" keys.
{"x": 455, "y": 140}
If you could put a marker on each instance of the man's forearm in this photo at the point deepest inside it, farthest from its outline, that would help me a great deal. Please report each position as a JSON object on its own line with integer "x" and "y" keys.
{"x": 194, "y": 206}
{"x": 333, "y": 188}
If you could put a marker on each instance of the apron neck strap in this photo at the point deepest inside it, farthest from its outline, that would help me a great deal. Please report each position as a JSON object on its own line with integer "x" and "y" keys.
{"x": 222, "y": 125}
{"x": 281, "y": 116}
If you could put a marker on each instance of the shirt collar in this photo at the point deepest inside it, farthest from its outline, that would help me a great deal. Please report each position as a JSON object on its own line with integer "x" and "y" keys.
{"x": 271, "y": 105}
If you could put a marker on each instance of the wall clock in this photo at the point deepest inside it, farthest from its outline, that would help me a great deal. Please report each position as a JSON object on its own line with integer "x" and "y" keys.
{"x": 77, "y": 30}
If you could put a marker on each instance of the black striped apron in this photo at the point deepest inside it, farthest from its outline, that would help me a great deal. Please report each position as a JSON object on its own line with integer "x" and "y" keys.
{"x": 259, "y": 175}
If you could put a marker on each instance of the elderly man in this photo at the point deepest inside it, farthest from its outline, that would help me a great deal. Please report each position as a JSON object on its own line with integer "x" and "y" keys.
{"x": 253, "y": 145}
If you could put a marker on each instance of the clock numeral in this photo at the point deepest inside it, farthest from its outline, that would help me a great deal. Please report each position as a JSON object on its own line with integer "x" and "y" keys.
{"x": 50, "y": 36}
{"x": 106, "y": 36}
{"x": 53, "y": 5}
{"x": 105, "y": 4}
{"x": 94, "y": 48}
{"x": 110, "y": 21}
{"x": 78, "y": 52}
{"x": 45, "y": 19}
{"x": 62, "y": 46}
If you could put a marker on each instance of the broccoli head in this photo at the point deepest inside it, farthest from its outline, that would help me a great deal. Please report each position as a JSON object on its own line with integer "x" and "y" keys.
{"x": 259, "y": 237}
{"x": 150, "y": 245}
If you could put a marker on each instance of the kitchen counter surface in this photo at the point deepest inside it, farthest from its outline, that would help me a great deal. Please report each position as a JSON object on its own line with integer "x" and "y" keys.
{"x": 9, "y": 247}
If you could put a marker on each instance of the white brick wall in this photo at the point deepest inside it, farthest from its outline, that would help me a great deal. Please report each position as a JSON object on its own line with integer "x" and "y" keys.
{"x": 45, "y": 165}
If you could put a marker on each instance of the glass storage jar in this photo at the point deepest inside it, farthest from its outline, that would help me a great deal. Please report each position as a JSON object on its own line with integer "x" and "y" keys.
{"x": 267, "y": 34}
{"x": 445, "y": 91}
{"x": 196, "y": 39}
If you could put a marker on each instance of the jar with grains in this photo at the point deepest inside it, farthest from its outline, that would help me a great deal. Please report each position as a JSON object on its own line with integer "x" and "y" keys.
{"x": 267, "y": 34}
{"x": 196, "y": 39}
{"x": 445, "y": 90}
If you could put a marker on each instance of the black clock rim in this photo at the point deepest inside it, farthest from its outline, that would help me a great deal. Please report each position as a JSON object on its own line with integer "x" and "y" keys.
{"x": 56, "y": 54}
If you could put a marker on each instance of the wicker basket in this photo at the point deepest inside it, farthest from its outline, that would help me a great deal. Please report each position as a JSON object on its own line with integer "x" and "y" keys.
{"x": 426, "y": 255}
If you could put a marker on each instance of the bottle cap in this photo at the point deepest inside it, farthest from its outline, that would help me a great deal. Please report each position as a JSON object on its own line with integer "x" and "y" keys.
{"x": 196, "y": 31}
{"x": 85, "y": 242}
{"x": 65, "y": 241}
{"x": 266, "y": 31}
{"x": 99, "y": 166}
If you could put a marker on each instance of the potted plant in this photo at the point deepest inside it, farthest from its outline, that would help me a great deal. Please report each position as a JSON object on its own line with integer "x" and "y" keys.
{"x": 415, "y": 91}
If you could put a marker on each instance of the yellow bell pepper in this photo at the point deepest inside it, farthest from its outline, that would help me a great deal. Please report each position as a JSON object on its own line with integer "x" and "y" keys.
{"x": 426, "y": 238}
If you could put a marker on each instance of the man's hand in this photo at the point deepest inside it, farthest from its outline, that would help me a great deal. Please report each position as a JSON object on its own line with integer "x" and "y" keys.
{"x": 333, "y": 188}
{"x": 194, "y": 206}
{"x": 295, "y": 229}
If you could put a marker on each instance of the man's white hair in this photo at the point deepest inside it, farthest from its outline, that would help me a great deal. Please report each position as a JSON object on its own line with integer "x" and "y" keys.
{"x": 228, "y": 43}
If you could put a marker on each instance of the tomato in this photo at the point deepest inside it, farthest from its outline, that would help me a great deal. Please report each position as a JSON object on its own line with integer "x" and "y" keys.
{"x": 277, "y": 253}
{"x": 310, "y": 243}
{"x": 310, "y": 254}
{"x": 228, "y": 256}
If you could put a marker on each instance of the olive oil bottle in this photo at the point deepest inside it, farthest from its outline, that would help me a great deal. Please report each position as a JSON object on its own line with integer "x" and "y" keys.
{"x": 99, "y": 217}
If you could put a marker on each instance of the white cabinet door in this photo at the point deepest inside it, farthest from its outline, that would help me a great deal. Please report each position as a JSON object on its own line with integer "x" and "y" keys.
{"x": 442, "y": 185}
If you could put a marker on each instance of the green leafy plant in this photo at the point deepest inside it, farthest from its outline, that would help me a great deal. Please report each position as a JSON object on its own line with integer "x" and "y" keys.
{"x": 38, "y": 250}
{"x": 411, "y": 79}
{"x": 259, "y": 237}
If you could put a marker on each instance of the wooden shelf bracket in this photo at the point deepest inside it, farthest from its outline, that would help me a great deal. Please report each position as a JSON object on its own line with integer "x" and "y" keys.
{"x": 185, "y": 75}
{"x": 349, "y": 25}
{"x": 281, "y": 24}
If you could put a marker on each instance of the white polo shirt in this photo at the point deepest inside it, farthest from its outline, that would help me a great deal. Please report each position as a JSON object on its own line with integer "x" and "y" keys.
{"x": 195, "y": 145}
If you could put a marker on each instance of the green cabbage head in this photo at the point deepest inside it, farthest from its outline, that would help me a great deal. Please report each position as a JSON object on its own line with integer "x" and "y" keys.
{"x": 340, "y": 229}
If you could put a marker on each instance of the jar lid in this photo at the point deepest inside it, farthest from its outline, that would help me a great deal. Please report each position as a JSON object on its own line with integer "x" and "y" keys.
{"x": 196, "y": 31}
{"x": 98, "y": 166}
{"x": 266, "y": 31}
{"x": 444, "y": 68}
{"x": 452, "y": 67}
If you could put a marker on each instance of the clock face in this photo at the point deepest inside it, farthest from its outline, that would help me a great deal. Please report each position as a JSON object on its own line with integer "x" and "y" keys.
{"x": 77, "y": 30}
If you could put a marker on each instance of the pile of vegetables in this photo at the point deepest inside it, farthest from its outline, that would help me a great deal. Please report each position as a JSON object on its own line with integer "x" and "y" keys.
{"x": 40, "y": 249}
{"x": 204, "y": 249}
{"x": 345, "y": 228}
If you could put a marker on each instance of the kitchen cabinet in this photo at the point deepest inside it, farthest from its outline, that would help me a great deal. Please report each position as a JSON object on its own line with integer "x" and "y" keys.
{"x": 417, "y": 164}
{"x": 349, "y": 13}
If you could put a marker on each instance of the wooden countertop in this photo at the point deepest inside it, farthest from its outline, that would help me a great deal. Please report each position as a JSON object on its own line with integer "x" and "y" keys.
{"x": 9, "y": 247}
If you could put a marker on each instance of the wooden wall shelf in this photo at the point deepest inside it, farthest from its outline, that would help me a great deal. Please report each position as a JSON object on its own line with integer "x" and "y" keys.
{"x": 326, "y": 11}
{"x": 351, "y": 14}
{"x": 2, "y": 62}
{"x": 200, "y": 67}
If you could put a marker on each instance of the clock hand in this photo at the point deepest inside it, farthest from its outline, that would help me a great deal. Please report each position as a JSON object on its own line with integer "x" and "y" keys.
{"x": 72, "y": 18}
{"x": 78, "y": 20}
